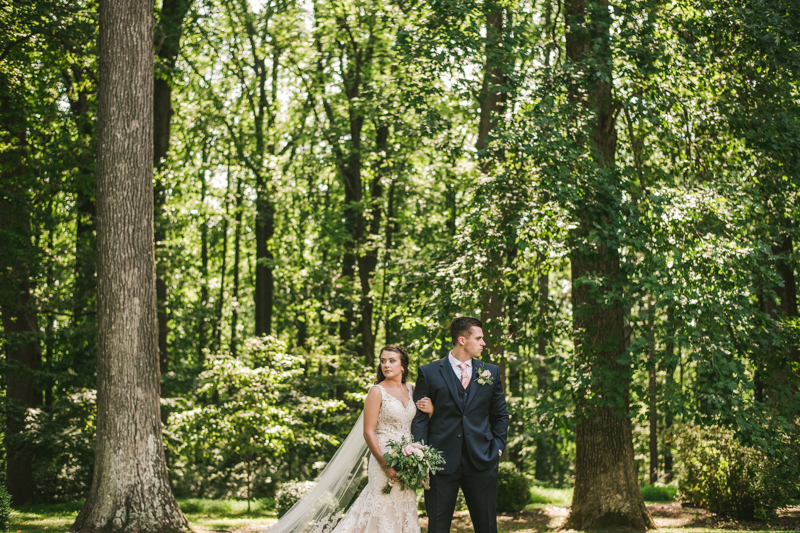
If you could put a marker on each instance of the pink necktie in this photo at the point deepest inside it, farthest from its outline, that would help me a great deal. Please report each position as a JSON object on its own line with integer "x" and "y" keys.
{"x": 464, "y": 375}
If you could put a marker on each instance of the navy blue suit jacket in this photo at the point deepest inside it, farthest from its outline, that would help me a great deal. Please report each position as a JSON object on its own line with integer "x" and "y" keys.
{"x": 482, "y": 420}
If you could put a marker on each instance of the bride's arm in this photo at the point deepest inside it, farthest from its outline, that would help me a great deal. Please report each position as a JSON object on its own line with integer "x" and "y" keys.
{"x": 372, "y": 407}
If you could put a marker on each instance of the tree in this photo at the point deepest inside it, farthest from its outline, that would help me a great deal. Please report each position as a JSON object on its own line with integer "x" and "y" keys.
{"x": 17, "y": 304}
{"x": 169, "y": 31}
{"x": 130, "y": 490}
{"x": 606, "y": 485}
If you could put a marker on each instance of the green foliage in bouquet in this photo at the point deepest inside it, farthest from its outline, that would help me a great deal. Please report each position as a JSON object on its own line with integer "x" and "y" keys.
{"x": 728, "y": 478}
{"x": 413, "y": 462}
{"x": 513, "y": 490}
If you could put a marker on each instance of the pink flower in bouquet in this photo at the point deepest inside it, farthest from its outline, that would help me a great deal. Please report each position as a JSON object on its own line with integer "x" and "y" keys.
{"x": 418, "y": 446}
{"x": 408, "y": 450}
{"x": 486, "y": 374}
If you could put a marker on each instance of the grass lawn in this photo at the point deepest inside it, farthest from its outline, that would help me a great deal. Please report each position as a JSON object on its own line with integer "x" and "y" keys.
{"x": 204, "y": 515}
{"x": 545, "y": 514}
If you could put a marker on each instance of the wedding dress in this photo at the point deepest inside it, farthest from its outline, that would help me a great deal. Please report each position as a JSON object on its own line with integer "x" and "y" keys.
{"x": 324, "y": 508}
{"x": 373, "y": 511}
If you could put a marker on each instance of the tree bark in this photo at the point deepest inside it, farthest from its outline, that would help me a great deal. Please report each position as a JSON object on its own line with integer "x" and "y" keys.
{"x": 130, "y": 489}
{"x": 606, "y": 493}
{"x": 17, "y": 305}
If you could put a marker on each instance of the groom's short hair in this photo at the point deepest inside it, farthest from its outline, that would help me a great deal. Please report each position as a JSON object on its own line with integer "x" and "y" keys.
{"x": 461, "y": 326}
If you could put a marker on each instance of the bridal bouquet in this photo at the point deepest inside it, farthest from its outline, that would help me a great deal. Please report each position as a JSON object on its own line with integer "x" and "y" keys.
{"x": 413, "y": 461}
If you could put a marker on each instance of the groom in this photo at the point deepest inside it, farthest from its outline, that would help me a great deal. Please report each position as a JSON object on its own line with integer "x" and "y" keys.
{"x": 469, "y": 425}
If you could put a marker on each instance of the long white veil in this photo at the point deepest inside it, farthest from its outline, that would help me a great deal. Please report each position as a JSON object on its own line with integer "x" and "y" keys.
{"x": 334, "y": 490}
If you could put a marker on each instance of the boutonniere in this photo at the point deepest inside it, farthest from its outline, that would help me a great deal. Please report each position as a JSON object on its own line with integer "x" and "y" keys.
{"x": 483, "y": 376}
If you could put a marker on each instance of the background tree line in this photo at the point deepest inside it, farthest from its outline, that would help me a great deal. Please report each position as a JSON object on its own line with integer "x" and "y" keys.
{"x": 610, "y": 187}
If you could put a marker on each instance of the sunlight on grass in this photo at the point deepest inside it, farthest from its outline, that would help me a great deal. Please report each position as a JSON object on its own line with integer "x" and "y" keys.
{"x": 547, "y": 496}
{"x": 201, "y": 506}
{"x": 659, "y": 493}
{"x": 216, "y": 515}
{"x": 217, "y": 523}
{"x": 55, "y": 518}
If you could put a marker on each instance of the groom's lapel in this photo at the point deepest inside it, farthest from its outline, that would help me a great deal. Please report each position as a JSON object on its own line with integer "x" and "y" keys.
{"x": 474, "y": 386}
{"x": 450, "y": 378}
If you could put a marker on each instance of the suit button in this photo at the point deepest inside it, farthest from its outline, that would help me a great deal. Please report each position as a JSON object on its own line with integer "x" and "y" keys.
{"x": 459, "y": 435}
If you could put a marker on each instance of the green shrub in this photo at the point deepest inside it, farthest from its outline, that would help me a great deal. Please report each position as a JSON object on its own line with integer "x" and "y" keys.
{"x": 5, "y": 508}
{"x": 289, "y": 494}
{"x": 513, "y": 489}
{"x": 652, "y": 493}
{"x": 728, "y": 478}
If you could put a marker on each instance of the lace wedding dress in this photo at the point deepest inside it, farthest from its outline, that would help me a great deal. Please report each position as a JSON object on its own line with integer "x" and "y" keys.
{"x": 322, "y": 510}
{"x": 373, "y": 511}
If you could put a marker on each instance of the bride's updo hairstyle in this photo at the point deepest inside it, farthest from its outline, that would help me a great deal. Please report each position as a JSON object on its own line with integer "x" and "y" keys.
{"x": 403, "y": 361}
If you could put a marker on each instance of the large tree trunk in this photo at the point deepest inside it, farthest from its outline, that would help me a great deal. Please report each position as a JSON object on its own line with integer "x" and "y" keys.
{"x": 606, "y": 491}
{"x": 130, "y": 488}
{"x": 20, "y": 320}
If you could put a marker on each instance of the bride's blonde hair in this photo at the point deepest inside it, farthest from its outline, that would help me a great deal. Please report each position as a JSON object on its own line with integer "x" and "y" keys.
{"x": 404, "y": 361}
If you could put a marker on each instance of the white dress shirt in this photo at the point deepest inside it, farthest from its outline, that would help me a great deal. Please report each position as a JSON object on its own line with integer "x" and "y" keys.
{"x": 456, "y": 364}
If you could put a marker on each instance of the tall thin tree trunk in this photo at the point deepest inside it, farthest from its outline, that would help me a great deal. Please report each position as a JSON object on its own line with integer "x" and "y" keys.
{"x": 606, "y": 493}
{"x": 84, "y": 323}
{"x": 387, "y": 258}
{"x": 17, "y": 304}
{"x": 222, "y": 272}
{"x": 670, "y": 365}
{"x": 265, "y": 209}
{"x": 492, "y": 105}
{"x": 170, "y": 30}
{"x": 651, "y": 390}
{"x": 368, "y": 260}
{"x": 130, "y": 489}
{"x": 236, "y": 248}
{"x": 543, "y": 448}
{"x": 203, "y": 319}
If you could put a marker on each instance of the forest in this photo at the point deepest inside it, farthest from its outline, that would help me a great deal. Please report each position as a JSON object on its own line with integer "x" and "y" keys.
{"x": 611, "y": 187}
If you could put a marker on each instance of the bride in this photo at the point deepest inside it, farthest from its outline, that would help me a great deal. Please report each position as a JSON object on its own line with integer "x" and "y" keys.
{"x": 388, "y": 412}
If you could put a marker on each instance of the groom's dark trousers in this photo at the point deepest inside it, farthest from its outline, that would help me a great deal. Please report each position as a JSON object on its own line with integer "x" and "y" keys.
{"x": 469, "y": 426}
